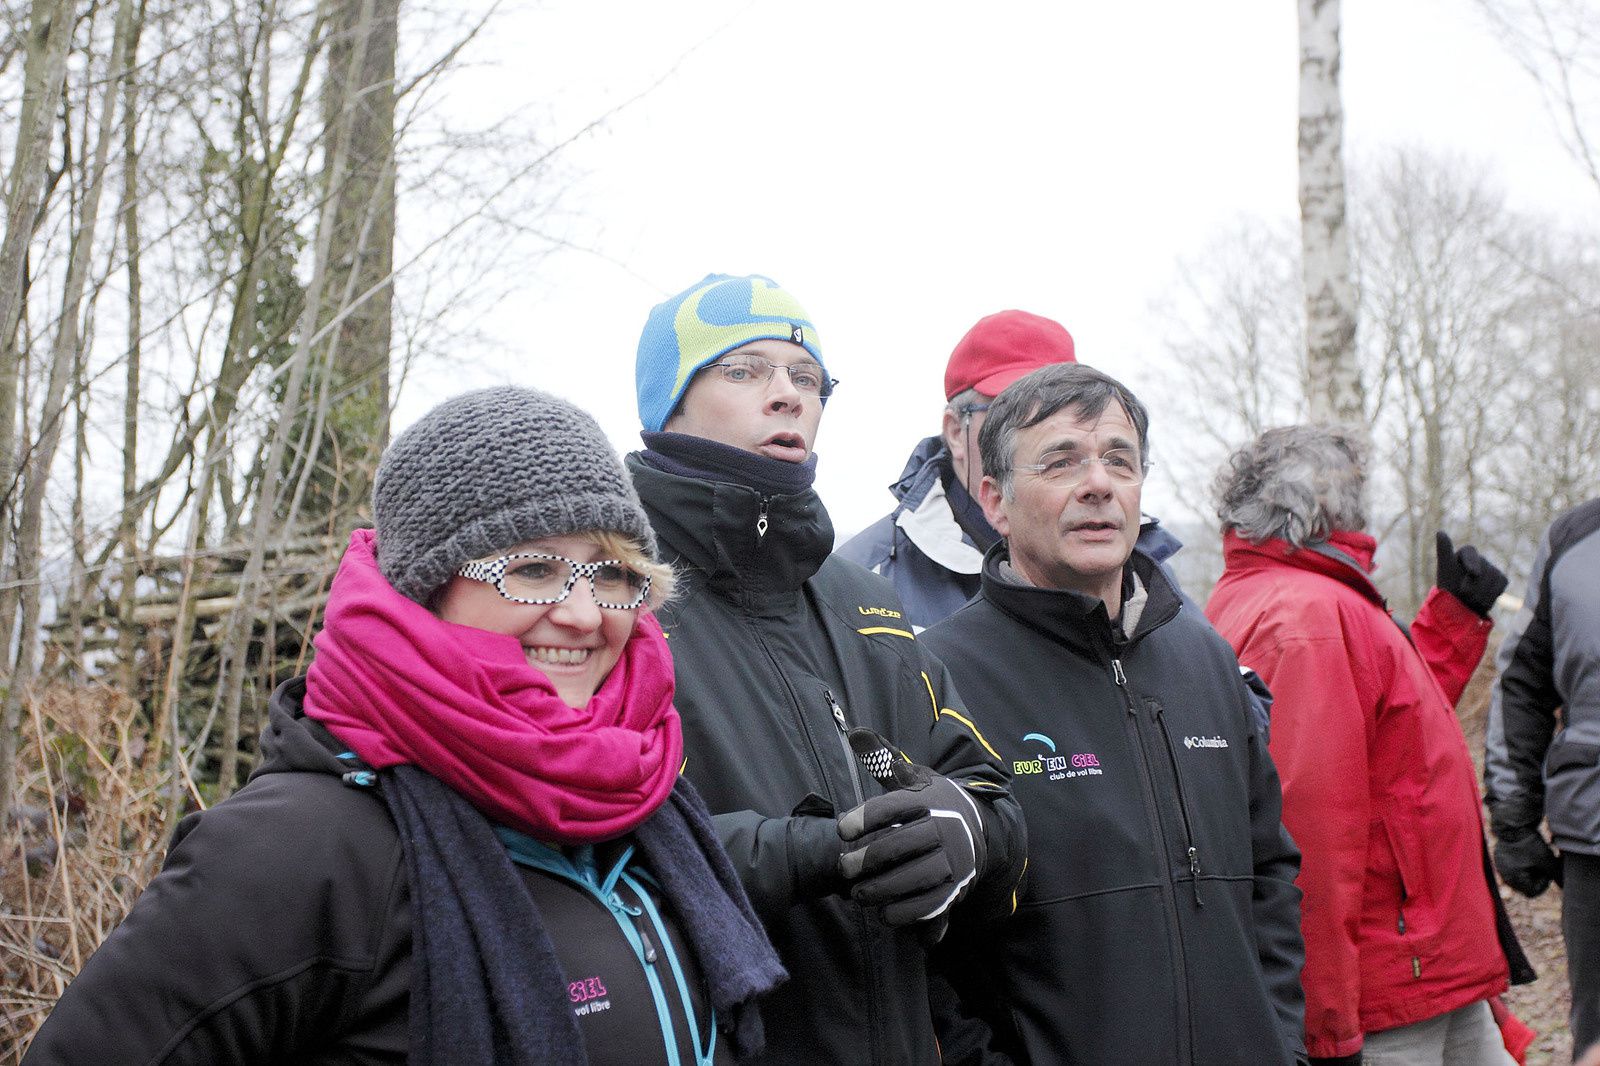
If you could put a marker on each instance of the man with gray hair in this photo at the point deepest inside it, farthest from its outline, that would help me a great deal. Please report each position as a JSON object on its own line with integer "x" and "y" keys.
{"x": 1405, "y": 936}
{"x": 1159, "y": 922}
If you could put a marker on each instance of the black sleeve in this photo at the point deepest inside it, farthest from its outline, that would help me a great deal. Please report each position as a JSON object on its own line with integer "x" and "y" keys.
{"x": 252, "y": 945}
{"x": 780, "y": 860}
{"x": 1275, "y": 900}
{"x": 1522, "y": 709}
{"x": 962, "y": 753}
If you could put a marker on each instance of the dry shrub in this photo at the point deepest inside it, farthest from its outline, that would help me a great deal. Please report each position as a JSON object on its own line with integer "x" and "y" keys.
{"x": 86, "y": 836}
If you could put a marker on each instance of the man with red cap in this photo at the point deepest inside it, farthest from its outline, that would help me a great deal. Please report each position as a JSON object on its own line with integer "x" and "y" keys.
{"x": 931, "y": 545}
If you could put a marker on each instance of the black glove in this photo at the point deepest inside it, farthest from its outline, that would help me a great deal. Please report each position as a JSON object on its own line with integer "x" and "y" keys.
{"x": 915, "y": 850}
{"x": 1468, "y": 576}
{"x": 1352, "y": 1059}
{"x": 1526, "y": 862}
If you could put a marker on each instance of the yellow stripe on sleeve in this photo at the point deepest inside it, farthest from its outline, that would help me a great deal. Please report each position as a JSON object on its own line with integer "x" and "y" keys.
{"x": 968, "y": 723}
{"x": 870, "y": 630}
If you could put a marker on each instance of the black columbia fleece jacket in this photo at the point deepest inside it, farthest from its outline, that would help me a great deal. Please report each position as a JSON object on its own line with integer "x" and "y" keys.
{"x": 1160, "y": 922}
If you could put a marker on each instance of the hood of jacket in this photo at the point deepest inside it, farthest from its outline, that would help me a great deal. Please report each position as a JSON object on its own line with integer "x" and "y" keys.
{"x": 292, "y": 742}
{"x": 1346, "y": 557}
{"x": 923, "y": 468}
{"x": 754, "y": 550}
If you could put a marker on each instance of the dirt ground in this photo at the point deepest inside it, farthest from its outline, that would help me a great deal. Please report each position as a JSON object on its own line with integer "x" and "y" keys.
{"x": 1542, "y": 1004}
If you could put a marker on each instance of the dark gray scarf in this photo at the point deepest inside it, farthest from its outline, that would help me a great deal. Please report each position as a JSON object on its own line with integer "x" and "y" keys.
{"x": 486, "y": 984}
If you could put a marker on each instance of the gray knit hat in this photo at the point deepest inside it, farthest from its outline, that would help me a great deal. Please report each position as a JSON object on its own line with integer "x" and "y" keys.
{"x": 488, "y": 470}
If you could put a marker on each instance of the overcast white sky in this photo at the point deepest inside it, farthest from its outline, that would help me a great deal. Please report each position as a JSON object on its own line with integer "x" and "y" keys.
{"x": 905, "y": 168}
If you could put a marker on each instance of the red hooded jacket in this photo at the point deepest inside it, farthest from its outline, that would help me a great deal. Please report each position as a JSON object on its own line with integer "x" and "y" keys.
{"x": 1378, "y": 786}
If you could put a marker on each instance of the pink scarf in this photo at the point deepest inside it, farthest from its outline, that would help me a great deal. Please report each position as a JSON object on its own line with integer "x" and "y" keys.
{"x": 400, "y": 685}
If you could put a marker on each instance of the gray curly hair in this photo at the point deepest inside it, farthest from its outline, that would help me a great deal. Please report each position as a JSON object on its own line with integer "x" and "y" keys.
{"x": 1294, "y": 483}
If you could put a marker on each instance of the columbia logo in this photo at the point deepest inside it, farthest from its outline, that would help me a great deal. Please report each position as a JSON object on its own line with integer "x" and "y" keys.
{"x": 1205, "y": 742}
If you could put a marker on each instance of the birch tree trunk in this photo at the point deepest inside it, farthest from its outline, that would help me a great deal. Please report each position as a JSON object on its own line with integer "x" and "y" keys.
{"x": 1333, "y": 377}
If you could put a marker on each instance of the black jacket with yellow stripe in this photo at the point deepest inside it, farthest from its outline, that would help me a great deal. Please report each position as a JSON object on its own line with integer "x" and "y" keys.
{"x": 778, "y": 649}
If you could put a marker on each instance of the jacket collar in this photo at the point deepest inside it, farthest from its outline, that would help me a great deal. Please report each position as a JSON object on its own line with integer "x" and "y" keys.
{"x": 717, "y": 529}
{"x": 1075, "y": 619}
{"x": 922, "y": 471}
{"x": 1346, "y": 557}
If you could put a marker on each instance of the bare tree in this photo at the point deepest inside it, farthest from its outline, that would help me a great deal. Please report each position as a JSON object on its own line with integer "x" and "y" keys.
{"x": 359, "y": 116}
{"x": 1234, "y": 351}
{"x": 50, "y": 26}
{"x": 53, "y": 410}
{"x": 1438, "y": 265}
{"x": 1483, "y": 344}
{"x": 1557, "y": 42}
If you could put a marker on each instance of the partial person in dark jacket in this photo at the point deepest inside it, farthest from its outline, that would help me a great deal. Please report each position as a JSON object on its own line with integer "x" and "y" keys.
{"x": 467, "y": 841}
{"x": 1402, "y": 920}
{"x": 783, "y": 653}
{"x": 1539, "y": 769}
{"x": 931, "y": 545}
{"x": 1160, "y": 922}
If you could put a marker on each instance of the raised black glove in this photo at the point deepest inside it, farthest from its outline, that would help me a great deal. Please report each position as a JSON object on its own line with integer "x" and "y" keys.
{"x": 1468, "y": 576}
{"x": 915, "y": 850}
{"x": 1526, "y": 862}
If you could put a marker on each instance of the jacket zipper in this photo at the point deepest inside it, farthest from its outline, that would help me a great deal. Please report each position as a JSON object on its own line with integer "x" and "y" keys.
{"x": 761, "y": 520}
{"x": 844, "y": 742}
{"x": 703, "y": 1055}
{"x": 635, "y": 927}
{"x": 1175, "y": 936}
{"x": 870, "y": 970}
{"x": 1183, "y": 805}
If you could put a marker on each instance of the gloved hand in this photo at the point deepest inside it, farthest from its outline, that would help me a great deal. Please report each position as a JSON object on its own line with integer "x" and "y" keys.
{"x": 915, "y": 850}
{"x": 1468, "y": 576}
{"x": 1526, "y": 862}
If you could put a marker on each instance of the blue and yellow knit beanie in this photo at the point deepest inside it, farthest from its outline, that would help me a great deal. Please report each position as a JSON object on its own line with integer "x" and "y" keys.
{"x": 704, "y": 322}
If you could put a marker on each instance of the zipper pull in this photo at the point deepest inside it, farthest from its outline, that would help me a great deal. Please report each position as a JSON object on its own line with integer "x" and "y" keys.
{"x": 1117, "y": 674}
{"x": 761, "y": 521}
{"x": 637, "y": 914}
{"x": 1194, "y": 872}
{"x": 838, "y": 711}
{"x": 644, "y": 938}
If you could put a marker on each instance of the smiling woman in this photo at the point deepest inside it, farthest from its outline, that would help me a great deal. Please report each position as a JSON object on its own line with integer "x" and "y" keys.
{"x": 485, "y": 735}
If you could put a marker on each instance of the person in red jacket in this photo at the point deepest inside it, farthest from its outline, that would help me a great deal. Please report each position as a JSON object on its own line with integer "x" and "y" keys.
{"x": 1405, "y": 936}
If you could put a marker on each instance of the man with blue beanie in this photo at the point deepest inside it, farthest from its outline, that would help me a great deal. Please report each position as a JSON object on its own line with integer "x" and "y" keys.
{"x": 860, "y": 802}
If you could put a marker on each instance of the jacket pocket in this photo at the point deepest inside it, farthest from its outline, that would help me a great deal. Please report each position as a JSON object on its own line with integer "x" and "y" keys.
{"x": 1413, "y": 883}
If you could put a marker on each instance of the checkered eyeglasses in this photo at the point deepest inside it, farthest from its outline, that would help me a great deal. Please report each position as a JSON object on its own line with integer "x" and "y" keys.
{"x": 540, "y": 578}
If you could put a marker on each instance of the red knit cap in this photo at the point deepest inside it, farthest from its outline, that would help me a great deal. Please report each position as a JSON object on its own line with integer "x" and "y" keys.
{"x": 1003, "y": 347}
